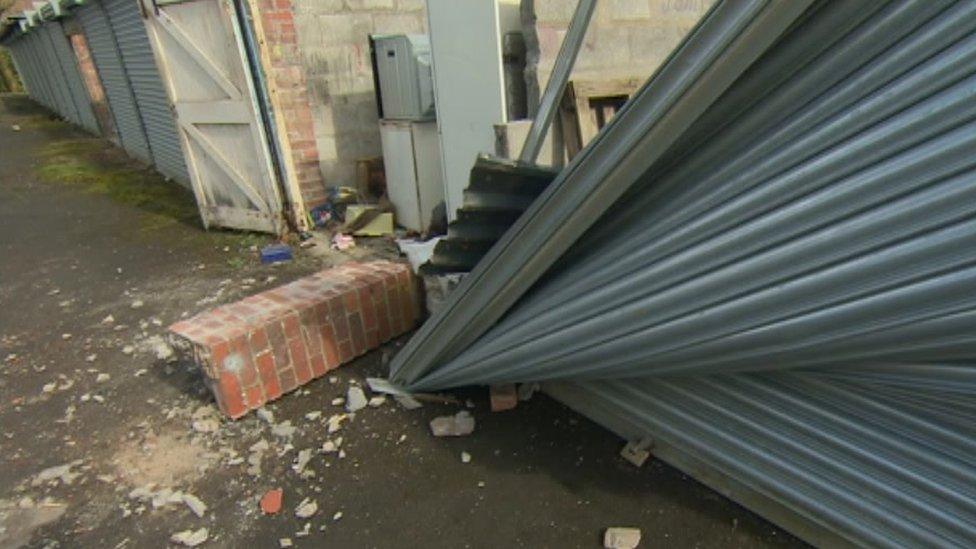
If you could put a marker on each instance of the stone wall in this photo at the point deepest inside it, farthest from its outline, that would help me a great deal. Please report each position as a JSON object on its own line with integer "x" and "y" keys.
{"x": 625, "y": 38}
{"x": 334, "y": 51}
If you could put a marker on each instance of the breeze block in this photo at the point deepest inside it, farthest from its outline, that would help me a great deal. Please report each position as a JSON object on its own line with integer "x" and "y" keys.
{"x": 257, "y": 349}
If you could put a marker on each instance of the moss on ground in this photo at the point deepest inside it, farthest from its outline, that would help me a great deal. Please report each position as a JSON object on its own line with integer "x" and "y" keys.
{"x": 95, "y": 167}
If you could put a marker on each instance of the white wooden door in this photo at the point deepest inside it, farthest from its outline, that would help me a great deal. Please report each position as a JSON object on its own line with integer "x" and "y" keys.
{"x": 201, "y": 58}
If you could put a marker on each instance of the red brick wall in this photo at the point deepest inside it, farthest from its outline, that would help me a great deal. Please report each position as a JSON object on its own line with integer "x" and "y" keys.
{"x": 93, "y": 84}
{"x": 288, "y": 78}
{"x": 266, "y": 345}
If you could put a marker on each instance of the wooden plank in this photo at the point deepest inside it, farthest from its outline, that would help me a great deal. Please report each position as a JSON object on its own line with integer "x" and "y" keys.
{"x": 207, "y": 77}
{"x": 190, "y": 47}
{"x": 214, "y": 112}
{"x": 215, "y": 154}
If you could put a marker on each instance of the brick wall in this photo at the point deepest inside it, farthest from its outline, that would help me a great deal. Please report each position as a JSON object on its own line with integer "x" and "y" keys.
{"x": 625, "y": 38}
{"x": 287, "y": 76}
{"x": 334, "y": 53}
{"x": 93, "y": 84}
{"x": 266, "y": 345}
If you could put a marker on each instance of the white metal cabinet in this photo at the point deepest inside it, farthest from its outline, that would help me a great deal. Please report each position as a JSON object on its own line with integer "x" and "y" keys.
{"x": 414, "y": 181}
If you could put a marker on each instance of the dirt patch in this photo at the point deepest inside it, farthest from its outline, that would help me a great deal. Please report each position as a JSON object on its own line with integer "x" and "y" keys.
{"x": 167, "y": 459}
{"x": 18, "y": 520}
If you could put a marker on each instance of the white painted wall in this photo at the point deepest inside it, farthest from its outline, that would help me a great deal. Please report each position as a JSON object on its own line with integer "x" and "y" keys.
{"x": 469, "y": 86}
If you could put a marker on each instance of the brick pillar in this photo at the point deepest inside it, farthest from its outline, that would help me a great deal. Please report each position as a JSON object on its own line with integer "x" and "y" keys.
{"x": 257, "y": 349}
{"x": 276, "y": 34}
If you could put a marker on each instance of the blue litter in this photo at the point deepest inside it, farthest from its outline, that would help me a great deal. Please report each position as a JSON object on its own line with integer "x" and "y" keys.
{"x": 275, "y": 253}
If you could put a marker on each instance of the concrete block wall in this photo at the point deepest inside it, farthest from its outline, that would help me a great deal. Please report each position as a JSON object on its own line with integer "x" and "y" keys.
{"x": 334, "y": 51}
{"x": 625, "y": 38}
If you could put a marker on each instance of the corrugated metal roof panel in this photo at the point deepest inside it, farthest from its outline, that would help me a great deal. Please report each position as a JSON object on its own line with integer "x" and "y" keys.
{"x": 782, "y": 298}
{"x": 115, "y": 81}
{"x": 147, "y": 86}
{"x": 72, "y": 81}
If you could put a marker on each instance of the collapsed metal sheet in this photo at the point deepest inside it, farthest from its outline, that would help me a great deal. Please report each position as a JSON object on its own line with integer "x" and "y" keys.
{"x": 783, "y": 296}
{"x": 842, "y": 234}
{"x": 729, "y": 38}
{"x": 836, "y": 463}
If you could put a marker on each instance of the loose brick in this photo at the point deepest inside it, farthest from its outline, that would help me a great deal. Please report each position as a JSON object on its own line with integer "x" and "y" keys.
{"x": 268, "y": 344}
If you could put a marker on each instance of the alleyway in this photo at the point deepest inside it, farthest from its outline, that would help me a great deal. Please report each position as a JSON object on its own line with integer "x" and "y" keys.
{"x": 98, "y": 255}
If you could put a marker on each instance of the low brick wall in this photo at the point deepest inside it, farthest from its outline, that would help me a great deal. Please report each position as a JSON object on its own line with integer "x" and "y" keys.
{"x": 266, "y": 345}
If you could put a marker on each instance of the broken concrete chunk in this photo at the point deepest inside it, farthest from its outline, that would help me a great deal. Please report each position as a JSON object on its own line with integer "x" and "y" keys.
{"x": 465, "y": 457}
{"x": 62, "y": 473}
{"x": 312, "y": 416}
{"x": 503, "y": 397}
{"x": 335, "y": 422}
{"x": 621, "y": 538}
{"x": 206, "y": 425}
{"x": 301, "y": 461}
{"x": 284, "y": 542}
{"x": 284, "y": 429}
{"x": 266, "y": 415}
{"x": 637, "y": 452}
{"x": 377, "y": 401}
{"x": 458, "y": 425}
{"x": 198, "y": 507}
{"x": 190, "y": 538}
{"x": 306, "y": 508}
{"x": 355, "y": 399}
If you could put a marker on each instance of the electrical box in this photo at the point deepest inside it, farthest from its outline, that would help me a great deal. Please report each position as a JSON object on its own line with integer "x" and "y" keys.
{"x": 402, "y": 75}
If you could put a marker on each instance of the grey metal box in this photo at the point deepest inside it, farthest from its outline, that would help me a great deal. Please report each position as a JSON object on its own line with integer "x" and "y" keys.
{"x": 403, "y": 76}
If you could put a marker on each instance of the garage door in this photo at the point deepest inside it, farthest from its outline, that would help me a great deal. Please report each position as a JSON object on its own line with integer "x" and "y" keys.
{"x": 147, "y": 88}
{"x": 115, "y": 81}
{"x": 210, "y": 85}
{"x": 79, "y": 107}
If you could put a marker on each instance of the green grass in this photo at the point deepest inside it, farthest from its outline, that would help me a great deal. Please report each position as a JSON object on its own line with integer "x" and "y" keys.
{"x": 89, "y": 164}
{"x": 92, "y": 165}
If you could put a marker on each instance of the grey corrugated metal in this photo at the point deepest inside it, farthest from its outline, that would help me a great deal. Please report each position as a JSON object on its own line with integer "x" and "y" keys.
{"x": 72, "y": 81}
{"x": 33, "y": 44}
{"x": 36, "y": 46}
{"x": 25, "y": 68}
{"x": 783, "y": 299}
{"x": 150, "y": 95}
{"x": 727, "y": 41}
{"x": 498, "y": 192}
{"x": 64, "y": 101}
{"x": 834, "y": 462}
{"x": 118, "y": 90}
{"x": 844, "y": 228}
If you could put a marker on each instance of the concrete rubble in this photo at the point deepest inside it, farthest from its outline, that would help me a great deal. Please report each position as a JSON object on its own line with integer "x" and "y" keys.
{"x": 459, "y": 425}
{"x": 621, "y": 538}
{"x": 190, "y": 538}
